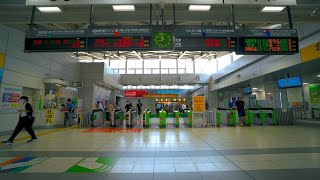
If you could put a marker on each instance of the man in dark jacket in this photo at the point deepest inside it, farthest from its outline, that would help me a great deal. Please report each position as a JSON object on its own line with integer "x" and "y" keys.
{"x": 26, "y": 120}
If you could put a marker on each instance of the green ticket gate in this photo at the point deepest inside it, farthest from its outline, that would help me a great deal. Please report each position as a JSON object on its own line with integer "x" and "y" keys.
{"x": 189, "y": 118}
{"x": 177, "y": 118}
{"x": 226, "y": 116}
{"x": 162, "y": 119}
{"x": 262, "y": 116}
{"x": 146, "y": 122}
{"x": 248, "y": 118}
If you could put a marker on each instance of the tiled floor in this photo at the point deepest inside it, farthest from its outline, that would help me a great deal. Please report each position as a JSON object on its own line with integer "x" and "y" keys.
{"x": 268, "y": 152}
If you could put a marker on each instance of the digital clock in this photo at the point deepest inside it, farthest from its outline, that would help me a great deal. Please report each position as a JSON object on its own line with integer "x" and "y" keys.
{"x": 118, "y": 43}
{"x": 55, "y": 44}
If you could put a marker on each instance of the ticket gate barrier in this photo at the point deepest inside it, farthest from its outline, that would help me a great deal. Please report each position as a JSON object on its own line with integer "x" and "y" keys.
{"x": 146, "y": 119}
{"x": 177, "y": 118}
{"x": 117, "y": 118}
{"x": 162, "y": 119}
{"x": 131, "y": 118}
{"x": 261, "y": 116}
{"x": 248, "y": 118}
{"x": 218, "y": 118}
{"x": 228, "y": 116}
{"x": 190, "y": 118}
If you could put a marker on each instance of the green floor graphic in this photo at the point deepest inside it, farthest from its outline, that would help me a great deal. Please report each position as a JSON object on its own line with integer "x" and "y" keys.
{"x": 94, "y": 165}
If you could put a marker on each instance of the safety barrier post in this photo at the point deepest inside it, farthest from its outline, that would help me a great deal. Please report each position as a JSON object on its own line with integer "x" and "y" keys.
{"x": 190, "y": 118}
{"x": 177, "y": 118}
{"x": 218, "y": 118}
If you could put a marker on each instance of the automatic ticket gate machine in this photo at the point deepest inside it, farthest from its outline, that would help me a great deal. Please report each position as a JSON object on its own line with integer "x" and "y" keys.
{"x": 117, "y": 118}
{"x": 227, "y": 116}
{"x": 146, "y": 118}
{"x": 162, "y": 119}
{"x": 262, "y": 116}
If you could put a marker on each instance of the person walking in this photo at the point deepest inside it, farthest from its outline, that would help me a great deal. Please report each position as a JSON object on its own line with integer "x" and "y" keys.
{"x": 239, "y": 105}
{"x": 26, "y": 120}
{"x": 139, "y": 108}
{"x": 70, "y": 107}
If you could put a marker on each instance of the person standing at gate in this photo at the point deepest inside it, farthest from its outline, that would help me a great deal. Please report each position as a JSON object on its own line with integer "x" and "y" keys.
{"x": 239, "y": 105}
{"x": 70, "y": 107}
{"x": 109, "y": 110}
{"x": 26, "y": 120}
{"x": 139, "y": 108}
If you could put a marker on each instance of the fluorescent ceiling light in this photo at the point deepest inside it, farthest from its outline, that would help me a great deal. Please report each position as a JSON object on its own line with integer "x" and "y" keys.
{"x": 305, "y": 83}
{"x": 199, "y": 7}
{"x": 318, "y": 75}
{"x": 123, "y": 7}
{"x": 49, "y": 9}
{"x": 85, "y": 60}
{"x": 272, "y": 9}
{"x": 254, "y": 88}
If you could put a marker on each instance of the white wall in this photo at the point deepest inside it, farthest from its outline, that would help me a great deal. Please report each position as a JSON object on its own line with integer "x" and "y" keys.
{"x": 28, "y": 70}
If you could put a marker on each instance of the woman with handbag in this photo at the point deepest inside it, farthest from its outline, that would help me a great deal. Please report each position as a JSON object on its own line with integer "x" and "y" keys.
{"x": 26, "y": 120}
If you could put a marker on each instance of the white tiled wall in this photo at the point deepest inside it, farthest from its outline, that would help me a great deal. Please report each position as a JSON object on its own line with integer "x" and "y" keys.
{"x": 29, "y": 69}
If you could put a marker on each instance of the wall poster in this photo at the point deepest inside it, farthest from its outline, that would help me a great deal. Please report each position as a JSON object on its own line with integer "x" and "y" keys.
{"x": 10, "y": 96}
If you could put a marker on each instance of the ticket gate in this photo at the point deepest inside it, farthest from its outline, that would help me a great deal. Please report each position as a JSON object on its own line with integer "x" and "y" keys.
{"x": 146, "y": 118}
{"x": 262, "y": 116}
{"x": 162, "y": 119}
{"x": 131, "y": 118}
{"x": 226, "y": 116}
{"x": 117, "y": 118}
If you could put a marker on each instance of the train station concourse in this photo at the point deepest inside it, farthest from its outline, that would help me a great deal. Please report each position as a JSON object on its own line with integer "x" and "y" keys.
{"x": 160, "y": 89}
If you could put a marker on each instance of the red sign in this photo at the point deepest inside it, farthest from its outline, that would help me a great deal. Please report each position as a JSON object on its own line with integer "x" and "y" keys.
{"x": 135, "y": 93}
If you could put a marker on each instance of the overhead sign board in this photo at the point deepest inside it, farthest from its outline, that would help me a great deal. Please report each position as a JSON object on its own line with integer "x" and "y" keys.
{"x": 310, "y": 52}
{"x": 119, "y": 31}
{"x": 199, "y": 38}
{"x": 198, "y": 103}
{"x": 135, "y": 93}
{"x": 272, "y": 42}
{"x": 55, "y": 40}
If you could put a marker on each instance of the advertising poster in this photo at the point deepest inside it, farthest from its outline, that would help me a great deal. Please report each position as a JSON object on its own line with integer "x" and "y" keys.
{"x": 315, "y": 94}
{"x": 10, "y": 96}
{"x": 1, "y": 75}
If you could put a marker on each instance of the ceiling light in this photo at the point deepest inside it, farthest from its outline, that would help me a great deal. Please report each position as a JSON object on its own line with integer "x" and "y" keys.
{"x": 123, "y": 7}
{"x": 254, "y": 88}
{"x": 305, "y": 83}
{"x": 269, "y": 93}
{"x": 49, "y": 9}
{"x": 199, "y": 7}
{"x": 85, "y": 60}
{"x": 318, "y": 75}
{"x": 272, "y": 9}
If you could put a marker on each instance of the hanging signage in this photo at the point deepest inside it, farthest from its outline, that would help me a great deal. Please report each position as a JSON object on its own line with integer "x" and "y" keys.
{"x": 160, "y": 95}
{"x": 314, "y": 91}
{"x": 10, "y": 96}
{"x": 310, "y": 52}
{"x": 198, "y": 103}
{"x": 269, "y": 42}
{"x": 135, "y": 93}
{"x": 55, "y": 40}
{"x": 168, "y": 91}
{"x": 199, "y": 38}
{"x": 49, "y": 116}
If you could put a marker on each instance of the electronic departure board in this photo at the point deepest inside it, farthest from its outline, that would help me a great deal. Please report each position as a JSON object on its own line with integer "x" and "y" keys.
{"x": 118, "y": 43}
{"x": 55, "y": 44}
{"x": 205, "y": 44}
{"x": 204, "y": 38}
{"x": 271, "y": 42}
{"x": 55, "y": 40}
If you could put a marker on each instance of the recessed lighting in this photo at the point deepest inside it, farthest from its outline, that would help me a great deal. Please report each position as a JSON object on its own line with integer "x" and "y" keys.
{"x": 272, "y": 9}
{"x": 199, "y": 7}
{"x": 123, "y": 7}
{"x": 49, "y": 9}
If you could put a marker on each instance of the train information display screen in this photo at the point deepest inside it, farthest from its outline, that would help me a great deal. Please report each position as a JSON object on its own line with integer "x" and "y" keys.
{"x": 268, "y": 42}
{"x": 55, "y": 44}
{"x": 119, "y": 43}
{"x": 205, "y": 44}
